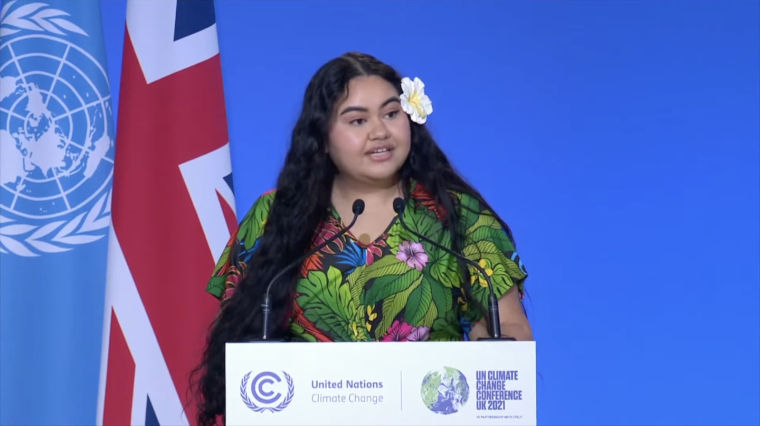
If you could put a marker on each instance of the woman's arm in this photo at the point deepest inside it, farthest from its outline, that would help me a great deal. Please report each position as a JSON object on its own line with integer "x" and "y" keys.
{"x": 514, "y": 323}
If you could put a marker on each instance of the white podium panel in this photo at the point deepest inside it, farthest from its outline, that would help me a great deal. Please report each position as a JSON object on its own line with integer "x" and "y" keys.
{"x": 381, "y": 383}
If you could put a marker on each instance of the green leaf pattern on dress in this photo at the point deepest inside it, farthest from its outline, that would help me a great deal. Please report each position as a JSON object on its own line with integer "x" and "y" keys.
{"x": 397, "y": 288}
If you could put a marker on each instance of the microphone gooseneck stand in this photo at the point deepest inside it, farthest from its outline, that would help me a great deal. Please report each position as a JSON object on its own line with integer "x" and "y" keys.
{"x": 357, "y": 208}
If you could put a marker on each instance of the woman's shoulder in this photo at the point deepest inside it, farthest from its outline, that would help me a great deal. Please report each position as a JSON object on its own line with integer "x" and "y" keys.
{"x": 488, "y": 240}
{"x": 467, "y": 206}
{"x": 252, "y": 226}
{"x": 259, "y": 211}
{"x": 462, "y": 200}
{"x": 479, "y": 222}
{"x": 241, "y": 245}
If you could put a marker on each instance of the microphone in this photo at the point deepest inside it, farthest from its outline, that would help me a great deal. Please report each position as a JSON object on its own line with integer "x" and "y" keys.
{"x": 357, "y": 208}
{"x": 493, "y": 304}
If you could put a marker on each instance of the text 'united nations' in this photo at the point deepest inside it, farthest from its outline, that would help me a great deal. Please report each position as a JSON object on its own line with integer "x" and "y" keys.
{"x": 353, "y": 397}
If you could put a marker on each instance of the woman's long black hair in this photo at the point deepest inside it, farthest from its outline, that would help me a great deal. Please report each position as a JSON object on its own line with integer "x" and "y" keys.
{"x": 301, "y": 202}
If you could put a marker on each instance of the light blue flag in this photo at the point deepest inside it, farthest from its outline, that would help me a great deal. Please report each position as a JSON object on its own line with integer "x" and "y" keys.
{"x": 56, "y": 168}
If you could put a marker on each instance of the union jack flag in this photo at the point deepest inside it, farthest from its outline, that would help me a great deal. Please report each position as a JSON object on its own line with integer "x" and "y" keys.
{"x": 172, "y": 209}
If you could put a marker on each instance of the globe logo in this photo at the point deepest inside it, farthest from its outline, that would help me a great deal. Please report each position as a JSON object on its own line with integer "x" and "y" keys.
{"x": 445, "y": 391}
{"x": 56, "y": 135}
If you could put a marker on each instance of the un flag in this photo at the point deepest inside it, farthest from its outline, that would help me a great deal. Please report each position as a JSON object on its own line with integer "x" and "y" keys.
{"x": 56, "y": 168}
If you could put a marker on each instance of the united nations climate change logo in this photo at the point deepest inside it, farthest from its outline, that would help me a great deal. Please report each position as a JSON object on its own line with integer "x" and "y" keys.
{"x": 272, "y": 392}
{"x": 445, "y": 391}
{"x": 56, "y": 134}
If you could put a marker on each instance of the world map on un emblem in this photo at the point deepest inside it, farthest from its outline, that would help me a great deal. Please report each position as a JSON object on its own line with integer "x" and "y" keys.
{"x": 56, "y": 134}
{"x": 445, "y": 391}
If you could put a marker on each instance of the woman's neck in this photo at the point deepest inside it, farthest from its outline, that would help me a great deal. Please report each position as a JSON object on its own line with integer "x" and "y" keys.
{"x": 345, "y": 191}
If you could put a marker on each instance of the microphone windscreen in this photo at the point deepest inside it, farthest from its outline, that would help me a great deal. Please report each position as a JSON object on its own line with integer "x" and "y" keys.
{"x": 398, "y": 205}
{"x": 358, "y": 207}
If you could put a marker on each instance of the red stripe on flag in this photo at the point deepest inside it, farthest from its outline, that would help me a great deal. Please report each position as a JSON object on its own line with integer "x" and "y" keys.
{"x": 161, "y": 126}
{"x": 229, "y": 214}
{"x": 120, "y": 381}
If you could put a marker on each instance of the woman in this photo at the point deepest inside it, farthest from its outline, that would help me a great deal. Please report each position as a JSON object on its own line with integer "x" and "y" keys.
{"x": 361, "y": 135}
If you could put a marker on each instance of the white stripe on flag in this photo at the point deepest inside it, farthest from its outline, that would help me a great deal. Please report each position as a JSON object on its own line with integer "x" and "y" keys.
{"x": 152, "y": 376}
{"x": 203, "y": 177}
{"x": 151, "y": 27}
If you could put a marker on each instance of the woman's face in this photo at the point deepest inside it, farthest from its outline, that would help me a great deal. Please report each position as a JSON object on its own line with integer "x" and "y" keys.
{"x": 370, "y": 136}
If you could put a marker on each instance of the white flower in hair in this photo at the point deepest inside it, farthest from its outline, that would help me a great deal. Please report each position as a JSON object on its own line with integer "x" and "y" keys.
{"x": 414, "y": 101}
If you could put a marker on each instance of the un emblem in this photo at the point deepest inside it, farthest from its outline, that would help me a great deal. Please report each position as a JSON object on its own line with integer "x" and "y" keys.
{"x": 56, "y": 134}
{"x": 267, "y": 389}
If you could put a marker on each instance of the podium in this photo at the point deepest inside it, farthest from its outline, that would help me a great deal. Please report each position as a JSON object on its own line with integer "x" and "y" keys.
{"x": 381, "y": 383}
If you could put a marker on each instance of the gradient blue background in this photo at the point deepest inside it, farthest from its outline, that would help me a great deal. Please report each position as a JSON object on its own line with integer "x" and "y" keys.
{"x": 620, "y": 140}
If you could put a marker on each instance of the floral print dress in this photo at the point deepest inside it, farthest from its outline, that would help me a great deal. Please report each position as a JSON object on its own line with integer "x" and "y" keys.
{"x": 396, "y": 288}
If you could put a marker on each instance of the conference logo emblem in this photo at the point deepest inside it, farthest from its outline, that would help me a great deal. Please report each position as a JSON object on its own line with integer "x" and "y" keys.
{"x": 268, "y": 391}
{"x": 445, "y": 391}
{"x": 56, "y": 133}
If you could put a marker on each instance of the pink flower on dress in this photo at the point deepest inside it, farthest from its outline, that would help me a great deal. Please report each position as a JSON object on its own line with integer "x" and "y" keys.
{"x": 413, "y": 254}
{"x": 419, "y": 334}
{"x": 404, "y": 332}
{"x": 398, "y": 332}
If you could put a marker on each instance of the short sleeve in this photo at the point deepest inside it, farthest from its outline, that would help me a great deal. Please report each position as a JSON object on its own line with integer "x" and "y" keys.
{"x": 231, "y": 266}
{"x": 489, "y": 244}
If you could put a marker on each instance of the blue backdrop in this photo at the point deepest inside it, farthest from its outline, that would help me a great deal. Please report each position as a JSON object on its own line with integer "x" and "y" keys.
{"x": 620, "y": 140}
